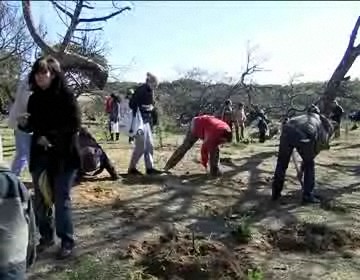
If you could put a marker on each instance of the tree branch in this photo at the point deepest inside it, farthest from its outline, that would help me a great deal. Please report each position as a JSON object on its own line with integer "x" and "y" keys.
{"x": 30, "y": 24}
{"x": 74, "y": 22}
{"x": 105, "y": 18}
{"x": 61, "y": 8}
{"x": 89, "y": 29}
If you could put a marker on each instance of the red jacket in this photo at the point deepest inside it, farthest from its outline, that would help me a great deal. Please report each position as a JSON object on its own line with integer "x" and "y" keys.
{"x": 211, "y": 130}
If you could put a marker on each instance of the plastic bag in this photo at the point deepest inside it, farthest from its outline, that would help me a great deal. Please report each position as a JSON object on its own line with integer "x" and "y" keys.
{"x": 45, "y": 189}
{"x": 135, "y": 125}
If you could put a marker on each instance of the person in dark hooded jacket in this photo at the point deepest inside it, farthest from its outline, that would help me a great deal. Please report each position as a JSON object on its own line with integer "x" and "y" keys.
{"x": 93, "y": 156}
{"x": 336, "y": 116}
{"x": 308, "y": 134}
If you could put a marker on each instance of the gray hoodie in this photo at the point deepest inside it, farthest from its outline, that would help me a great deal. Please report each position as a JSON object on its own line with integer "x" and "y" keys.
{"x": 311, "y": 128}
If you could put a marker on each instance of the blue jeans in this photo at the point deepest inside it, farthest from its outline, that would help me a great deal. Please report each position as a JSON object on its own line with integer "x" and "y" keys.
{"x": 289, "y": 140}
{"x": 62, "y": 184}
{"x": 22, "y": 151}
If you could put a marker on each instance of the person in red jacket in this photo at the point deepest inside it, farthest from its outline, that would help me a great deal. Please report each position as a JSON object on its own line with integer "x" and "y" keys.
{"x": 213, "y": 132}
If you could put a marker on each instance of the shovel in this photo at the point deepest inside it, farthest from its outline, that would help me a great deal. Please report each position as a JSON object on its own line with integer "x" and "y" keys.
{"x": 299, "y": 171}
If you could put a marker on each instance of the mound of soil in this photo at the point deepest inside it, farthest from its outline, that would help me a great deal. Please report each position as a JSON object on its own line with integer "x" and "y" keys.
{"x": 190, "y": 258}
{"x": 315, "y": 238}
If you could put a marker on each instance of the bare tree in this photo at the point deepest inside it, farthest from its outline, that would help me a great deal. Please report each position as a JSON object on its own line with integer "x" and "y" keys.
{"x": 71, "y": 61}
{"x": 253, "y": 65}
{"x": 16, "y": 50}
{"x": 245, "y": 83}
{"x": 333, "y": 87}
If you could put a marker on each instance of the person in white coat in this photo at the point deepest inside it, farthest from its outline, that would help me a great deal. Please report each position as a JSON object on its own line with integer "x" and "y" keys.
{"x": 22, "y": 139}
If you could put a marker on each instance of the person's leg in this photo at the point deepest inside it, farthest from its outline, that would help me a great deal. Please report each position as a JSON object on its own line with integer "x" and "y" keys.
{"x": 284, "y": 154}
{"x": 242, "y": 128}
{"x": 22, "y": 151}
{"x": 148, "y": 148}
{"x": 214, "y": 162}
{"x": 237, "y": 133}
{"x": 63, "y": 183}
{"x": 107, "y": 164}
{"x": 137, "y": 153}
{"x": 309, "y": 182}
{"x": 337, "y": 132}
{"x": 261, "y": 136}
{"x": 43, "y": 214}
{"x": 180, "y": 152}
{"x": 117, "y": 135}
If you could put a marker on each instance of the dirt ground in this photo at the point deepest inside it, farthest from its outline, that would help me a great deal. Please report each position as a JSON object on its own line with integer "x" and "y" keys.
{"x": 186, "y": 225}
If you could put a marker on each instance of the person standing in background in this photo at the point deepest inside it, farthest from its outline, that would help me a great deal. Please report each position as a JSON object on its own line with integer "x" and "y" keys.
{"x": 125, "y": 108}
{"x": 240, "y": 118}
{"x": 115, "y": 118}
{"x": 228, "y": 115}
{"x": 108, "y": 104}
{"x": 22, "y": 139}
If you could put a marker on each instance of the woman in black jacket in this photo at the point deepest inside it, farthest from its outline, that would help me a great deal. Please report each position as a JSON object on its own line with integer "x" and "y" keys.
{"x": 53, "y": 116}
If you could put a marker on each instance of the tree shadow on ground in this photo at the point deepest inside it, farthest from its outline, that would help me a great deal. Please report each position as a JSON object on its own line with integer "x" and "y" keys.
{"x": 170, "y": 202}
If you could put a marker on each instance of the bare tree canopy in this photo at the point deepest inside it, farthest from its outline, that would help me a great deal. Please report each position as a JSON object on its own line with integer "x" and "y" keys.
{"x": 338, "y": 76}
{"x": 97, "y": 71}
{"x": 16, "y": 49}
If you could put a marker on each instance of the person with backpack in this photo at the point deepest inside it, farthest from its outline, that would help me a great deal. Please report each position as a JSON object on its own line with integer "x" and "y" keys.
{"x": 53, "y": 115}
{"x": 213, "y": 132}
{"x": 17, "y": 227}
{"x": 309, "y": 134}
{"x": 93, "y": 157}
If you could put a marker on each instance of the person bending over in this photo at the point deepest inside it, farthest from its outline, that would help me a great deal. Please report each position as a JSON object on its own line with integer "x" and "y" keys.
{"x": 213, "y": 132}
{"x": 308, "y": 134}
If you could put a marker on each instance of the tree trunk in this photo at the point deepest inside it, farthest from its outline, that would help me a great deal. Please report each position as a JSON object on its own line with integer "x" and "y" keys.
{"x": 331, "y": 90}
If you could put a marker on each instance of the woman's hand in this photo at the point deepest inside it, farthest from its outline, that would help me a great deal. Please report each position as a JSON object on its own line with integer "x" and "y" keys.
{"x": 23, "y": 119}
{"x": 43, "y": 141}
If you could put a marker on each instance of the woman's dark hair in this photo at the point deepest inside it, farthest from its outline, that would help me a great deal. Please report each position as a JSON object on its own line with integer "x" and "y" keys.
{"x": 44, "y": 64}
{"x": 228, "y": 102}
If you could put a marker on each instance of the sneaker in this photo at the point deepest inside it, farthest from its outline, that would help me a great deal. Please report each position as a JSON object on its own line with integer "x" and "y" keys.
{"x": 134, "y": 171}
{"x": 216, "y": 173}
{"x": 115, "y": 177}
{"x": 44, "y": 245}
{"x": 64, "y": 253}
{"x": 310, "y": 199}
{"x": 153, "y": 171}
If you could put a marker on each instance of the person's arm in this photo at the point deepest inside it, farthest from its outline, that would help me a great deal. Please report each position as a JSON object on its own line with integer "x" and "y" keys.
{"x": 134, "y": 100}
{"x": 204, "y": 154}
{"x": 33, "y": 124}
